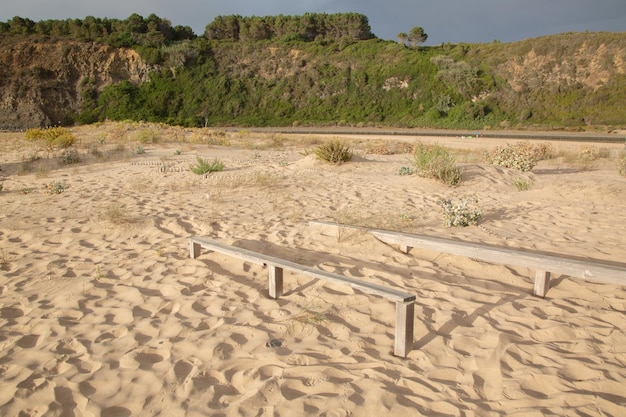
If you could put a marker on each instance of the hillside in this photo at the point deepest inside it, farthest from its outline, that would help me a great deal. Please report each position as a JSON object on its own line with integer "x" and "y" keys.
{"x": 306, "y": 70}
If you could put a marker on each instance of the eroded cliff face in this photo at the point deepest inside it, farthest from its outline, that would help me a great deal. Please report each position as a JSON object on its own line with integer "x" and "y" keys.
{"x": 41, "y": 81}
{"x": 587, "y": 65}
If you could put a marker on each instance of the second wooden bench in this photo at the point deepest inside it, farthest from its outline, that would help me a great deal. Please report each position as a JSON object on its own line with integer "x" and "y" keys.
{"x": 405, "y": 303}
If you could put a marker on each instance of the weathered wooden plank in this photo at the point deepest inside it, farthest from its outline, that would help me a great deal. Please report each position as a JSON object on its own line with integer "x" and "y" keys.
{"x": 542, "y": 283}
{"x": 261, "y": 259}
{"x": 590, "y": 270}
{"x": 405, "y": 315}
{"x": 275, "y": 281}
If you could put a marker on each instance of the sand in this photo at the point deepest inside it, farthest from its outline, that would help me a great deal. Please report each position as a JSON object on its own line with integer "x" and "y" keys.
{"x": 103, "y": 313}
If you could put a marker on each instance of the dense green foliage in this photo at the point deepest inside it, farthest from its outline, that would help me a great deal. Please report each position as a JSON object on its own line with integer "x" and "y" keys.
{"x": 320, "y": 69}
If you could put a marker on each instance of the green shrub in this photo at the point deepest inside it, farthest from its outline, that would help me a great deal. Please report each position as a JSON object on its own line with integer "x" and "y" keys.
{"x": 69, "y": 156}
{"x": 405, "y": 171}
{"x": 462, "y": 213}
{"x": 521, "y": 156}
{"x": 139, "y": 150}
{"x": 56, "y": 187}
{"x": 522, "y": 184}
{"x": 334, "y": 151}
{"x": 204, "y": 166}
{"x": 435, "y": 161}
{"x": 148, "y": 136}
{"x": 54, "y": 137}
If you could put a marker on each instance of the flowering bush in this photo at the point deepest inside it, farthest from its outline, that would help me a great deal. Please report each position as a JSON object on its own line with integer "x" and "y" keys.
{"x": 462, "y": 213}
{"x": 521, "y": 156}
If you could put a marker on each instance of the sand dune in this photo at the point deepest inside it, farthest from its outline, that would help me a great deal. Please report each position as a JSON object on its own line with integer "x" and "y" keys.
{"x": 102, "y": 313}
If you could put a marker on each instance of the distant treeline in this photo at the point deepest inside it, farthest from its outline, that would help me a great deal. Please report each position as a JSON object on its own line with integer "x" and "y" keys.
{"x": 134, "y": 31}
{"x": 154, "y": 31}
{"x": 308, "y": 27}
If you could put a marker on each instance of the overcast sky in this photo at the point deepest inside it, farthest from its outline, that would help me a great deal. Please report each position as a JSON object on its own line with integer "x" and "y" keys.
{"x": 454, "y": 21}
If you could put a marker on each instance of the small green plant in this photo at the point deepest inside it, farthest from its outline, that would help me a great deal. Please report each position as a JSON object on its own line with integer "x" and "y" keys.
{"x": 463, "y": 212}
{"x": 69, "y": 156}
{"x": 405, "y": 171}
{"x": 204, "y": 166}
{"x": 334, "y": 151}
{"x": 522, "y": 184}
{"x": 139, "y": 150}
{"x": 436, "y": 161}
{"x": 56, "y": 187}
{"x": 521, "y": 156}
{"x": 5, "y": 260}
{"x": 177, "y": 152}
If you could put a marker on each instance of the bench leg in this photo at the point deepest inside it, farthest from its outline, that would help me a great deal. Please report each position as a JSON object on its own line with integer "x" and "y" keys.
{"x": 405, "y": 314}
{"x": 275, "y": 281}
{"x": 542, "y": 283}
{"x": 194, "y": 250}
{"x": 404, "y": 248}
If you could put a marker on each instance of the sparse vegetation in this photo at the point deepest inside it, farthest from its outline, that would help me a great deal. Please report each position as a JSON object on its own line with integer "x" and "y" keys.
{"x": 522, "y": 184}
{"x": 56, "y": 187}
{"x": 463, "y": 212}
{"x": 69, "y": 156}
{"x": 117, "y": 214}
{"x": 148, "y": 136}
{"x": 334, "y": 151}
{"x": 622, "y": 165}
{"x": 204, "y": 166}
{"x": 436, "y": 161}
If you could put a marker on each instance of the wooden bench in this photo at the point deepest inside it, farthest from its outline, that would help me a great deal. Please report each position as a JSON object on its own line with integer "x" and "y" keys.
{"x": 405, "y": 303}
{"x": 542, "y": 264}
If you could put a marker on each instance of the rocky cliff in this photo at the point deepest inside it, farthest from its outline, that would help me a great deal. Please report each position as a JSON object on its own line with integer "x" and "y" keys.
{"x": 42, "y": 81}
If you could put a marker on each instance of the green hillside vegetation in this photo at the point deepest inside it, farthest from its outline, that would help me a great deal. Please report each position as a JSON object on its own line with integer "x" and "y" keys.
{"x": 320, "y": 69}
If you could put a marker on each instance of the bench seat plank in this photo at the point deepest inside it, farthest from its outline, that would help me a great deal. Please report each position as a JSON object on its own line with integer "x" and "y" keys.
{"x": 544, "y": 264}
{"x": 261, "y": 259}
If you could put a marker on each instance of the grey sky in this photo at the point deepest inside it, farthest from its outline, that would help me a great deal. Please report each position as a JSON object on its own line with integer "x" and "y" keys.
{"x": 452, "y": 21}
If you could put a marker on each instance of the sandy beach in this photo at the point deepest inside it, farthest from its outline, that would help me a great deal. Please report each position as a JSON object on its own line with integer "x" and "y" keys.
{"x": 103, "y": 313}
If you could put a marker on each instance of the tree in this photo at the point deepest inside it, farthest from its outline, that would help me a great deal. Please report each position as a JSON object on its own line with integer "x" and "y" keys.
{"x": 417, "y": 36}
{"x": 402, "y": 38}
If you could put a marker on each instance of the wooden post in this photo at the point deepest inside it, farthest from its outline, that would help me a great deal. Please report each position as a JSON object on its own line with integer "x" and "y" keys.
{"x": 542, "y": 283}
{"x": 404, "y": 248}
{"x": 194, "y": 249}
{"x": 405, "y": 314}
{"x": 275, "y": 281}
